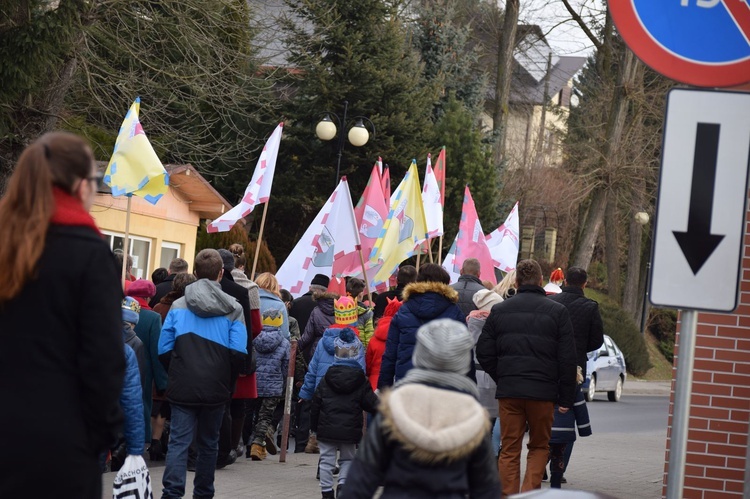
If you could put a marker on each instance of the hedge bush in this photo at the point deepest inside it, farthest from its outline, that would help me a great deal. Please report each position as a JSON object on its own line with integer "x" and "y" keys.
{"x": 624, "y": 331}
{"x": 662, "y": 323}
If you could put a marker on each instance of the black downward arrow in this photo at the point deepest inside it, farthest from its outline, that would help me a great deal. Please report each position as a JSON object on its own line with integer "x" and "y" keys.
{"x": 698, "y": 244}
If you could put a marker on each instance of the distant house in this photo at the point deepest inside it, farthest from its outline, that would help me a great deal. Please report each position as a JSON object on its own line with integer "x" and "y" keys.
{"x": 159, "y": 233}
{"x": 535, "y": 68}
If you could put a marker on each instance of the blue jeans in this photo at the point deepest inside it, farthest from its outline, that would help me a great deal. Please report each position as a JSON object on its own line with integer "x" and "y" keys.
{"x": 187, "y": 421}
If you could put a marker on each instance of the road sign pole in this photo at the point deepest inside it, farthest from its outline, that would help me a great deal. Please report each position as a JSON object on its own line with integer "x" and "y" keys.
{"x": 683, "y": 390}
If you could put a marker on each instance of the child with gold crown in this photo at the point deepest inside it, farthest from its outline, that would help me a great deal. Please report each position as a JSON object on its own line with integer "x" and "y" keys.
{"x": 345, "y": 313}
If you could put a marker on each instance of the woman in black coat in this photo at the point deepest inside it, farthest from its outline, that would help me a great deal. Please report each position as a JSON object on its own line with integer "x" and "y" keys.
{"x": 61, "y": 361}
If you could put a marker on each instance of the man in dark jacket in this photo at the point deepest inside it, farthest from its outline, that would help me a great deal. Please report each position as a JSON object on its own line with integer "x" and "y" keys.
{"x": 584, "y": 315}
{"x": 527, "y": 347}
{"x": 203, "y": 346}
{"x": 406, "y": 275}
{"x": 468, "y": 284}
{"x": 228, "y": 455}
{"x": 176, "y": 266}
{"x": 303, "y": 306}
{"x": 588, "y": 328}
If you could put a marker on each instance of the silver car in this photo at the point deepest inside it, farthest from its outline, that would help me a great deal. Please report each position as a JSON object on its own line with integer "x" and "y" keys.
{"x": 605, "y": 371}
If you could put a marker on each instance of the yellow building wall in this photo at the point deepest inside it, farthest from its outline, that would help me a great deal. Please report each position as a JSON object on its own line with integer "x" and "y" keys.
{"x": 170, "y": 220}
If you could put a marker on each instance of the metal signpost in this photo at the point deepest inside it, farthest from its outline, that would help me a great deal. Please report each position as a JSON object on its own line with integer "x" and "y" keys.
{"x": 700, "y": 218}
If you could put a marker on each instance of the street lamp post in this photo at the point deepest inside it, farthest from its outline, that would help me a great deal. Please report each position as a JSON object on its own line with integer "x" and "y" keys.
{"x": 358, "y": 134}
{"x": 642, "y": 219}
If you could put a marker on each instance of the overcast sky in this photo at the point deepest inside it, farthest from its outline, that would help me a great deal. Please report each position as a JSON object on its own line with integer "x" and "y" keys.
{"x": 562, "y": 32}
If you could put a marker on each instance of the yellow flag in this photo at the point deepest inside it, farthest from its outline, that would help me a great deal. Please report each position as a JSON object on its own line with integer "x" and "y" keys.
{"x": 404, "y": 229}
{"x": 134, "y": 167}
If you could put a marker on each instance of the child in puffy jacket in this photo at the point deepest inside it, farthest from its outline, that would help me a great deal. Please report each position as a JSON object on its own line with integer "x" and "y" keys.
{"x": 272, "y": 358}
{"x": 376, "y": 347}
{"x": 564, "y": 435}
{"x": 345, "y": 310}
{"x": 131, "y": 398}
{"x": 336, "y": 413}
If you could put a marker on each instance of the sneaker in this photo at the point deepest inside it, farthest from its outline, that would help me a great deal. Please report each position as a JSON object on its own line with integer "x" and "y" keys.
{"x": 328, "y": 494}
{"x": 312, "y": 445}
{"x": 257, "y": 452}
{"x": 270, "y": 444}
{"x": 336, "y": 470}
{"x": 240, "y": 450}
{"x": 563, "y": 480}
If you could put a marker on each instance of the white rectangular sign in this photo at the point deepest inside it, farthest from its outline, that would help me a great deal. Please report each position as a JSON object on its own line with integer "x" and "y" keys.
{"x": 701, "y": 206}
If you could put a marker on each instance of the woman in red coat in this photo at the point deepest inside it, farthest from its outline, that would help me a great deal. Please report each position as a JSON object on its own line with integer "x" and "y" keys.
{"x": 376, "y": 347}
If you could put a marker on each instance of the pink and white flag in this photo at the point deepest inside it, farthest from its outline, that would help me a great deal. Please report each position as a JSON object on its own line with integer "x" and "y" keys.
{"x": 470, "y": 241}
{"x": 433, "y": 203}
{"x": 385, "y": 179}
{"x": 370, "y": 214}
{"x": 504, "y": 244}
{"x": 332, "y": 235}
{"x": 258, "y": 190}
{"x": 450, "y": 261}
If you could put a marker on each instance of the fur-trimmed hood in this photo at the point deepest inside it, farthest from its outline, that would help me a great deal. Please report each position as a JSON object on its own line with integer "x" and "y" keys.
{"x": 434, "y": 425}
{"x": 417, "y": 288}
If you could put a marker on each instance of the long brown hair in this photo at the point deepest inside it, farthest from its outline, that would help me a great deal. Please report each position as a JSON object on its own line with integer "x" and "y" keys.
{"x": 55, "y": 159}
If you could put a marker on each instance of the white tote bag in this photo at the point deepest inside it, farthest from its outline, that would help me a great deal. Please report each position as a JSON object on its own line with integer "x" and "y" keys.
{"x": 133, "y": 480}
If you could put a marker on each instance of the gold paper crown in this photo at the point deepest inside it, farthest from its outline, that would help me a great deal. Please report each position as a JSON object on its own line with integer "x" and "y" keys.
{"x": 272, "y": 318}
{"x": 345, "y": 310}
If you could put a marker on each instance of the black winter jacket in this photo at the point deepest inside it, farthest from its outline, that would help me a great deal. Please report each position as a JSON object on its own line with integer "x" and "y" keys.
{"x": 162, "y": 289}
{"x": 338, "y": 402}
{"x": 586, "y": 319}
{"x": 61, "y": 368}
{"x": 301, "y": 309}
{"x": 527, "y": 347}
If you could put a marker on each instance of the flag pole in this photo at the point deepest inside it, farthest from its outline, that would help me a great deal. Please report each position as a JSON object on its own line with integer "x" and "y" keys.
{"x": 364, "y": 272}
{"x": 125, "y": 243}
{"x": 429, "y": 249}
{"x": 288, "y": 402}
{"x": 440, "y": 248}
{"x": 260, "y": 240}
{"x": 419, "y": 255}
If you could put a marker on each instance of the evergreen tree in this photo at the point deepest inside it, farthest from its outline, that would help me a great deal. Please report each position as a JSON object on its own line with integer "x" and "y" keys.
{"x": 442, "y": 37}
{"x": 38, "y": 40}
{"x": 469, "y": 161}
{"x": 193, "y": 65}
{"x": 345, "y": 51}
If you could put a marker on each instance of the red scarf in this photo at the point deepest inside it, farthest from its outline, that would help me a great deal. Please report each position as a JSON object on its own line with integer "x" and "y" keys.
{"x": 69, "y": 211}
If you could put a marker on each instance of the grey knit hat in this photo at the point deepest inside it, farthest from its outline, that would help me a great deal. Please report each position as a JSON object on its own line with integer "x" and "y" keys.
{"x": 228, "y": 258}
{"x": 443, "y": 345}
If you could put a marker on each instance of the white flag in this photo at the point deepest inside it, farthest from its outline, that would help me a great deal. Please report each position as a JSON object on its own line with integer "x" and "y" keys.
{"x": 504, "y": 242}
{"x": 449, "y": 262}
{"x": 258, "y": 190}
{"x": 433, "y": 206}
{"x": 332, "y": 234}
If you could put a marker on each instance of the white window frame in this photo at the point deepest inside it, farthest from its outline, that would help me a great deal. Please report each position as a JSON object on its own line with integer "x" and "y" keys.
{"x": 170, "y": 245}
{"x": 150, "y": 242}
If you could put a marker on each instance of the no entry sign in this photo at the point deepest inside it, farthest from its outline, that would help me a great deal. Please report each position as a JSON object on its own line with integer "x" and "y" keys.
{"x": 700, "y": 42}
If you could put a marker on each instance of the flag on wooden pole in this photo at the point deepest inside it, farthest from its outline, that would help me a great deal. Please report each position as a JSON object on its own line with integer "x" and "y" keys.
{"x": 470, "y": 241}
{"x": 332, "y": 234}
{"x": 404, "y": 229}
{"x": 385, "y": 179}
{"x": 134, "y": 167}
{"x": 433, "y": 202}
{"x": 258, "y": 190}
{"x": 503, "y": 242}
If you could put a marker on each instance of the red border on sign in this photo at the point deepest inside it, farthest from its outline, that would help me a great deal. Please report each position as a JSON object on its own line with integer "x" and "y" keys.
{"x": 649, "y": 51}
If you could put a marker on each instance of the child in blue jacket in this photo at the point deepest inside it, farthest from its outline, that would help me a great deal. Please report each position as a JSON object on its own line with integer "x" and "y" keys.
{"x": 564, "y": 434}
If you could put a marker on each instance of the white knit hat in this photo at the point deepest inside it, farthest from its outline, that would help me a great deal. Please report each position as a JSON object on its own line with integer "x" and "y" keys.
{"x": 443, "y": 345}
{"x": 484, "y": 299}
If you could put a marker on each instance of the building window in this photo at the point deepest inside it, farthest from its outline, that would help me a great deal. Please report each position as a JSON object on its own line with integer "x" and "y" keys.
{"x": 169, "y": 251}
{"x": 139, "y": 249}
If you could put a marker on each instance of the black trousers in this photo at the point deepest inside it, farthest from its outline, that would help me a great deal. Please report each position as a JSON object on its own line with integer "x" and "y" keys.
{"x": 302, "y": 431}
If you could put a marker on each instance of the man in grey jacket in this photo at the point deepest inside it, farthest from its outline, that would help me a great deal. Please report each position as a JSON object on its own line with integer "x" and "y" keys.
{"x": 468, "y": 284}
